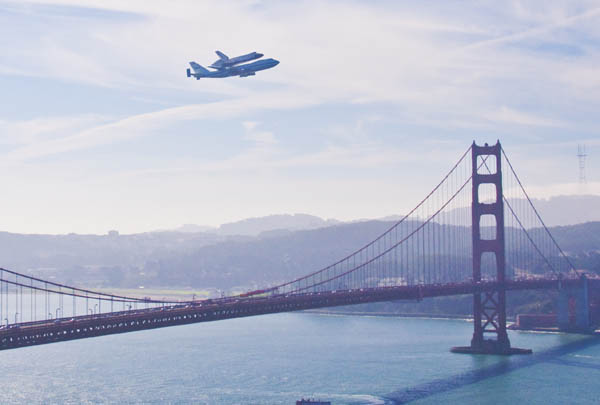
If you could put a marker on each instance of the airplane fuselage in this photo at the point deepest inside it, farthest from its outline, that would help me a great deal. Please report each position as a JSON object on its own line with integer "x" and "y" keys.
{"x": 249, "y": 69}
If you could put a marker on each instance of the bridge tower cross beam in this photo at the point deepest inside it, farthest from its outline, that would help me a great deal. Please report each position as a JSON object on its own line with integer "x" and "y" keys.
{"x": 489, "y": 307}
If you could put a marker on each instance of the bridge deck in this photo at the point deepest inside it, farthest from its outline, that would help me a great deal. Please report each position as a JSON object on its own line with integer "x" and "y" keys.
{"x": 63, "y": 329}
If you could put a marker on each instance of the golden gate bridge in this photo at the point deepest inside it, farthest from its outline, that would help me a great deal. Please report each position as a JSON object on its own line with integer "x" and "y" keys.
{"x": 477, "y": 232}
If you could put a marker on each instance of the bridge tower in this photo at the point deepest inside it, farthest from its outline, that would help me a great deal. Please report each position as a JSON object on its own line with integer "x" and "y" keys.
{"x": 573, "y": 309}
{"x": 489, "y": 307}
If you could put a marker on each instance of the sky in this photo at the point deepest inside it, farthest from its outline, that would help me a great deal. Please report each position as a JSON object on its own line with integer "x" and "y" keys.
{"x": 371, "y": 104}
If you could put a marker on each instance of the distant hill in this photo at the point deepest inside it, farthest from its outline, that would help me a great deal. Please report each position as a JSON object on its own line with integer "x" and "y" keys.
{"x": 569, "y": 209}
{"x": 256, "y": 226}
{"x": 192, "y": 228}
{"x": 281, "y": 256}
{"x": 210, "y": 261}
{"x": 94, "y": 260}
{"x": 556, "y": 211}
{"x": 255, "y": 251}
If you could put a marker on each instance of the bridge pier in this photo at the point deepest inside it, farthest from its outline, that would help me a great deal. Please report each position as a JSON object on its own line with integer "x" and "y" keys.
{"x": 573, "y": 309}
{"x": 489, "y": 307}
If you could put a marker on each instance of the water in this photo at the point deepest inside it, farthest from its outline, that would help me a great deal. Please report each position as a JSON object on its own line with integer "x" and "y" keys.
{"x": 277, "y": 359}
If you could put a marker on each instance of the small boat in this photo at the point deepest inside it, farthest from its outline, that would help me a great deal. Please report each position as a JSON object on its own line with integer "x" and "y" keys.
{"x": 312, "y": 402}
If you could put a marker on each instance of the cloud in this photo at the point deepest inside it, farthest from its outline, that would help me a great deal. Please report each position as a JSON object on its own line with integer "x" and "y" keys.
{"x": 261, "y": 137}
{"x": 148, "y": 123}
{"x": 366, "y": 95}
{"x": 24, "y": 133}
{"x": 573, "y": 188}
{"x": 508, "y": 115}
{"x": 355, "y": 62}
{"x": 562, "y": 22}
{"x": 445, "y": 64}
{"x": 250, "y": 125}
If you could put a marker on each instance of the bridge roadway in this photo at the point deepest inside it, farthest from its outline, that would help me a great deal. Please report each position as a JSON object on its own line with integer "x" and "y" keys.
{"x": 63, "y": 329}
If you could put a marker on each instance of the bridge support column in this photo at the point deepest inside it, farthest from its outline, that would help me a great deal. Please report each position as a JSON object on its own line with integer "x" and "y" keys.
{"x": 489, "y": 307}
{"x": 573, "y": 309}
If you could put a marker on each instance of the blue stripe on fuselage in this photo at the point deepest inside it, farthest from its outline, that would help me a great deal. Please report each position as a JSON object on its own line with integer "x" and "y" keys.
{"x": 240, "y": 69}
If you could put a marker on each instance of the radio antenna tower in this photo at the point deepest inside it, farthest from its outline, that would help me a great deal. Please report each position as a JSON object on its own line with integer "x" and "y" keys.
{"x": 581, "y": 155}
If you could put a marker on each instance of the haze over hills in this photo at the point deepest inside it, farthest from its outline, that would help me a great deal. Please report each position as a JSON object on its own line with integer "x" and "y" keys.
{"x": 556, "y": 211}
{"x": 202, "y": 260}
{"x": 256, "y": 226}
{"x": 255, "y": 251}
{"x": 569, "y": 209}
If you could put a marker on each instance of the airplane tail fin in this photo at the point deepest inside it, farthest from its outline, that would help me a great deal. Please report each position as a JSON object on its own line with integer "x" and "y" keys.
{"x": 222, "y": 56}
{"x": 198, "y": 69}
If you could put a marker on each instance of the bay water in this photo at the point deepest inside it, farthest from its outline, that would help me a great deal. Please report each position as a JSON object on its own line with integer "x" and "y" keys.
{"x": 278, "y": 359}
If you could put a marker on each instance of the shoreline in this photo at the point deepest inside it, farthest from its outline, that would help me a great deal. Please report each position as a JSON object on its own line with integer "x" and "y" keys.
{"x": 391, "y": 314}
{"x": 422, "y": 315}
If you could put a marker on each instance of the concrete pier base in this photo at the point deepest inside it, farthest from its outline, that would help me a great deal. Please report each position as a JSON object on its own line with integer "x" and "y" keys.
{"x": 490, "y": 347}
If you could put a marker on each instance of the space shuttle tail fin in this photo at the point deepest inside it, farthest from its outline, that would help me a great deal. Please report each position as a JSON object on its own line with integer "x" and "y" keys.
{"x": 222, "y": 56}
